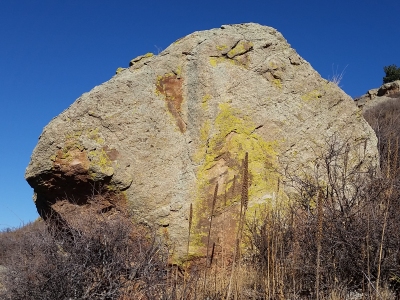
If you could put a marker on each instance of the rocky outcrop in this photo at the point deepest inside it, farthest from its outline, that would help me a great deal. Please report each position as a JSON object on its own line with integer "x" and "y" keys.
{"x": 164, "y": 131}
{"x": 374, "y": 97}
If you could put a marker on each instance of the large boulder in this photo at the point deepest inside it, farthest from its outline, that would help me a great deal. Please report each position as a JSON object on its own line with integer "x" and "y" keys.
{"x": 161, "y": 133}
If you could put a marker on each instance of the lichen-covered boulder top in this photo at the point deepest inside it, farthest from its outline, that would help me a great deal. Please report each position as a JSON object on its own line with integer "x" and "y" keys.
{"x": 162, "y": 132}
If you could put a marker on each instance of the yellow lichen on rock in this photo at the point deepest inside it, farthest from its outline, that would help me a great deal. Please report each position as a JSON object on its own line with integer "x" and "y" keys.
{"x": 237, "y": 55}
{"x": 313, "y": 95}
{"x": 119, "y": 70}
{"x": 75, "y": 158}
{"x": 204, "y": 134}
{"x": 278, "y": 83}
{"x": 221, "y": 47}
{"x": 100, "y": 163}
{"x": 214, "y": 61}
{"x": 241, "y": 48}
{"x": 204, "y": 101}
{"x": 140, "y": 57}
{"x": 224, "y": 145}
{"x": 237, "y": 135}
{"x": 273, "y": 65}
{"x": 95, "y": 135}
{"x": 178, "y": 71}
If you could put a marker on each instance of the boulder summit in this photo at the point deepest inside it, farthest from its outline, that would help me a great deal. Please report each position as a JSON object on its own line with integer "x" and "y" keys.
{"x": 161, "y": 134}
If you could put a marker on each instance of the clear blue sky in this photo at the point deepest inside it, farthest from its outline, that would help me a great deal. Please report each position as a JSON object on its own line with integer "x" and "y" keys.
{"x": 53, "y": 51}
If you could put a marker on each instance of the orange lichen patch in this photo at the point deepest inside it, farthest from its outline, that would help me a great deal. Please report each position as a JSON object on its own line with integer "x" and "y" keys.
{"x": 170, "y": 86}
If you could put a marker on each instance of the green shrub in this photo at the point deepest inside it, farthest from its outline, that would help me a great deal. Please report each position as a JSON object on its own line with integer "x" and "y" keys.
{"x": 392, "y": 73}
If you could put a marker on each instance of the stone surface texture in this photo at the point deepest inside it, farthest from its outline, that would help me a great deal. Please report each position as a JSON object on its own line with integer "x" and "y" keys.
{"x": 162, "y": 132}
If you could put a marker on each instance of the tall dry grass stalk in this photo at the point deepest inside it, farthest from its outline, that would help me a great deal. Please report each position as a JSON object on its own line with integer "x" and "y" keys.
{"x": 234, "y": 185}
{"x": 187, "y": 248}
{"x": 336, "y": 76}
{"x": 318, "y": 241}
{"x": 208, "y": 262}
{"x": 190, "y": 227}
{"x": 245, "y": 184}
{"x": 244, "y": 199}
{"x": 243, "y": 207}
{"x": 385, "y": 221}
{"x": 211, "y": 218}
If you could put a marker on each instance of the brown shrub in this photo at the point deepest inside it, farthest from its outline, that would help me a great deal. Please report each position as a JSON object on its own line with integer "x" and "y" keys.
{"x": 103, "y": 259}
{"x": 340, "y": 233}
{"x": 385, "y": 120}
{"x": 338, "y": 237}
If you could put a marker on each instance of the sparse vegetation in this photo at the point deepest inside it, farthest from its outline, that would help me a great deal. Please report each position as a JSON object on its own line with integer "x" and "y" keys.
{"x": 336, "y": 239}
{"x": 336, "y": 76}
{"x": 95, "y": 259}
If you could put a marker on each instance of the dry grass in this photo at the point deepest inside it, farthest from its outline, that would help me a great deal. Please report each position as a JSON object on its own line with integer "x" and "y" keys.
{"x": 325, "y": 245}
{"x": 337, "y": 77}
{"x": 329, "y": 242}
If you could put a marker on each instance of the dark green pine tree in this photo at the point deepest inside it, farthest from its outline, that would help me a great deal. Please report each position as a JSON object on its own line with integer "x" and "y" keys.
{"x": 392, "y": 73}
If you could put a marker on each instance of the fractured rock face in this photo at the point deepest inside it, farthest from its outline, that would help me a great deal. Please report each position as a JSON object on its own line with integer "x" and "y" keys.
{"x": 375, "y": 97}
{"x": 164, "y": 131}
